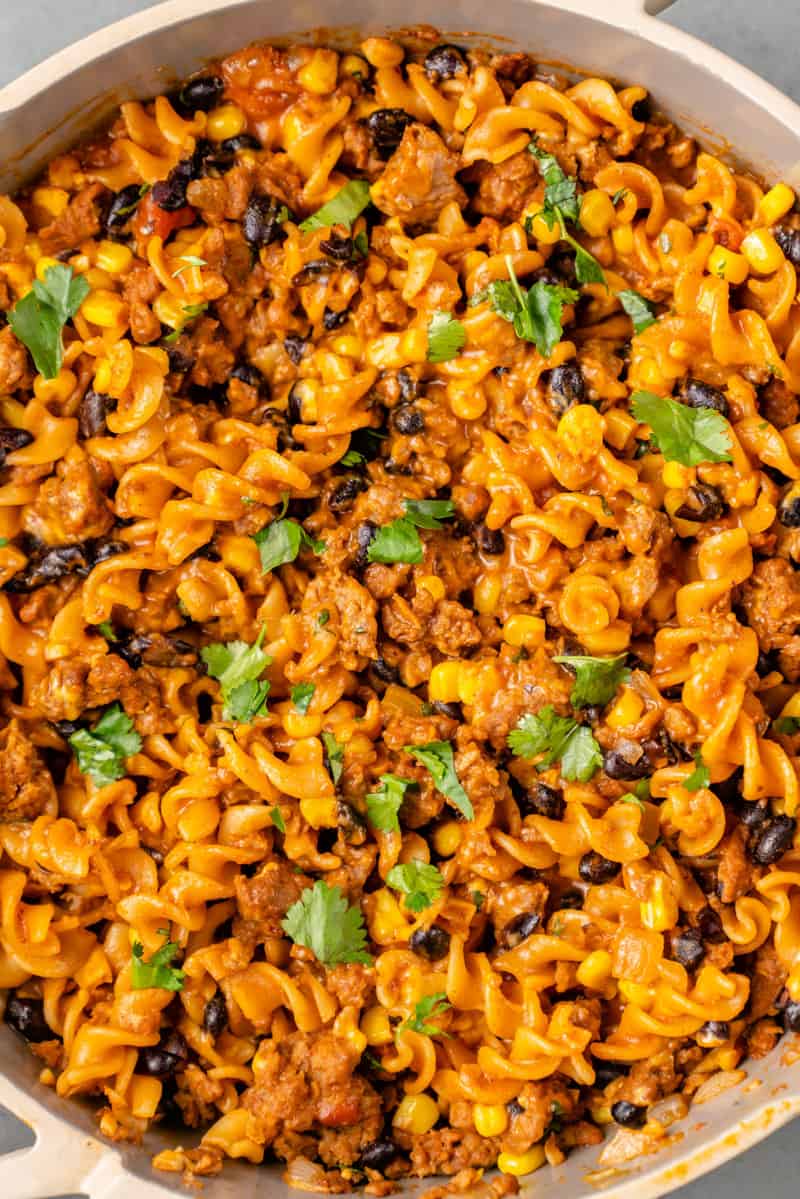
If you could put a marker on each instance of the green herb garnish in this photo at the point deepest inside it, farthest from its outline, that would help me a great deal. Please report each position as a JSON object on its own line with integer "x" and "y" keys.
{"x": 101, "y": 752}
{"x": 596, "y": 679}
{"x": 419, "y": 882}
{"x": 437, "y": 758}
{"x": 238, "y": 668}
{"x": 558, "y": 739}
{"x": 687, "y": 435}
{"x": 38, "y": 318}
{"x": 322, "y": 921}
{"x": 342, "y": 209}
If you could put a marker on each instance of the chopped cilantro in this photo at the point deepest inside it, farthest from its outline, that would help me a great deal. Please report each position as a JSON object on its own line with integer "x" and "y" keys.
{"x": 558, "y": 738}
{"x": 238, "y": 668}
{"x": 38, "y": 318}
{"x": 638, "y": 309}
{"x": 156, "y": 972}
{"x": 342, "y": 209}
{"x": 596, "y": 679}
{"x": 302, "y": 696}
{"x": 428, "y": 514}
{"x": 101, "y": 753}
{"x": 426, "y": 1009}
{"x": 397, "y": 542}
{"x": 335, "y": 754}
{"x": 437, "y": 757}
{"x": 419, "y": 882}
{"x": 276, "y": 817}
{"x": 446, "y": 337}
{"x": 281, "y": 542}
{"x": 700, "y": 776}
{"x": 687, "y": 435}
{"x": 383, "y": 805}
{"x": 322, "y": 921}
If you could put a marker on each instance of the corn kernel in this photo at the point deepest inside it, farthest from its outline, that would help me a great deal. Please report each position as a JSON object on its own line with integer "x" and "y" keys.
{"x": 475, "y": 677}
{"x": 432, "y": 584}
{"x": 447, "y": 838}
{"x": 622, "y": 237}
{"x": 99, "y": 280}
{"x": 382, "y": 52}
{"x": 416, "y": 1113}
{"x": 727, "y": 265}
{"x": 675, "y": 475}
{"x": 51, "y": 200}
{"x": 490, "y": 1119}
{"x": 467, "y": 403}
{"x": 626, "y": 710}
{"x": 102, "y": 376}
{"x": 597, "y": 213}
{"x": 521, "y": 1163}
{"x": 104, "y": 308}
{"x": 443, "y": 684}
{"x": 581, "y": 428}
{"x": 43, "y": 265}
{"x": 486, "y": 595}
{"x": 602, "y": 1115}
{"x": 113, "y": 258}
{"x": 544, "y": 233}
{"x": 355, "y": 66}
{"x": 348, "y": 345}
{"x": 595, "y": 970}
{"x": 619, "y": 427}
{"x": 387, "y": 922}
{"x": 169, "y": 310}
{"x": 376, "y": 1027}
{"x": 226, "y": 121}
{"x": 319, "y": 73}
{"x": 762, "y": 252}
{"x": 523, "y": 630}
{"x": 776, "y": 203}
{"x": 319, "y": 812}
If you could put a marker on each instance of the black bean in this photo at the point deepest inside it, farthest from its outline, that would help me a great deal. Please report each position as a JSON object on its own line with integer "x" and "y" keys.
{"x": 260, "y": 223}
{"x": 542, "y": 800}
{"x": 617, "y": 766}
{"x": 571, "y": 900}
{"x": 340, "y": 249}
{"x": 774, "y": 841}
{"x": 345, "y": 492}
{"x": 408, "y": 420}
{"x": 766, "y": 663}
{"x": 710, "y": 927}
{"x": 384, "y": 670}
{"x": 157, "y": 1062}
{"x": 789, "y": 242}
{"x": 432, "y": 943}
{"x": 641, "y": 110}
{"x": 713, "y": 1032}
{"x": 27, "y": 1017}
{"x": 295, "y": 405}
{"x": 408, "y": 386}
{"x": 443, "y": 62}
{"x": 789, "y": 512}
{"x": 247, "y": 374}
{"x": 387, "y": 126}
{"x": 514, "y": 1109}
{"x": 752, "y": 815}
{"x": 122, "y": 207}
{"x": 379, "y": 1154}
{"x": 131, "y": 649}
{"x": 92, "y": 413}
{"x": 333, "y": 320}
{"x": 395, "y": 468}
{"x": 12, "y": 439}
{"x": 179, "y": 362}
{"x": 565, "y": 387}
{"x": 215, "y": 1015}
{"x": 607, "y": 1072}
{"x": 791, "y": 1016}
{"x": 51, "y": 566}
{"x": 520, "y": 928}
{"x": 365, "y": 534}
{"x": 452, "y": 711}
{"x": 66, "y": 727}
{"x": 312, "y": 272}
{"x": 688, "y": 949}
{"x": 702, "y": 395}
{"x": 628, "y": 1114}
{"x": 242, "y": 141}
{"x": 594, "y": 868}
{"x": 202, "y": 94}
{"x": 102, "y": 548}
{"x": 170, "y": 194}
{"x": 489, "y": 541}
{"x": 295, "y": 347}
{"x": 704, "y": 503}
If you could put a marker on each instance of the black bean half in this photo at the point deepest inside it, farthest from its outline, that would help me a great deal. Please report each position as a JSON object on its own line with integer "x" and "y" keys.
{"x": 489, "y": 541}
{"x": 262, "y": 222}
{"x": 443, "y": 62}
{"x": 333, "y": 320}
{"x": 774, "y": 841}
{"x": 628, "y": 1114}
{"x": 703, "y": 503}
{"x": 92, "y": 412}
{"x": 542, "y": 800}
{"x": 51, "y": 566}
{"x": 791, "y": 1016}
{"x": 520, "y": 928}
{"x": 432, "y": 943}
{"x": 688, "y": 949}
{"x": 365, "y": 534}
{"x": 565, "y": 387}
{"x": 713, "y": 1032}
{"x": 387, "y": 126}
{"x": 789, "y": 512}
{"x": 242, "y": 141}
{"x": 408, "y": 420}
{"x": 202, "y": 94}
{"x": 379, "y": 1154}
{"x": 789, "y": 242}
{"x": 384, "y": 670}
{"x": 702, "y": 395}
{"x": 345, "y": 492}
{"x": 710, "y": 927}
{"x": 594, "y": 868}
{"x": 618, "y": 766}
{"x": 215, "y": 1015}
{"x": 26, "y": 1016}
{"x": 122, "y": 207}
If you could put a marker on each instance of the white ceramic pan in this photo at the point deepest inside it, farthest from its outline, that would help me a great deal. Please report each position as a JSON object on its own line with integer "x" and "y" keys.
{"x": 46, "y": 110}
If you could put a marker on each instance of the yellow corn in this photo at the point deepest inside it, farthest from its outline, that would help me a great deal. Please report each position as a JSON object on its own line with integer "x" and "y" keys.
{"x": 433, "y": 584}
{"x": 762, "y": 252}
{"x": 382, "y": 52}
{"x": 660, "y": 911}
{"x": 595, "y": 971}
{"x": 51, "y": 200}
{"x": 387, "y": 922}
{"x": 226, "y": 121}
{"x": 727, "y": 265}
{"x": 319, "y": 73}
{"x": 490, "y": 1119}
{"x": 627, "y": 709}
{"x": 416, "y": 1113}
{"x": 376, "y": 1027}
{"x": 675, "y": 475}
{"x": 447, "y": 838}
{"x": 104, "y": 308}
{"x": 43, "y": 264}
{"x": 581, "y": 428}
{"x": 622, "y": 237}
{"x": 539, "y": 228}
{"x": 597, "y": 213}
{"x": 354, "y": 65}
{"x": 776, "y": 203}
{"x": 521, "y": 1163}
{"x": 102, "y": 376}
{"x": 466, "y": 402}
{"x": 444, "y": 683}
{"x": 602, "y": 1115}
{"x": 524, "y": 630}
{"x": 475, "y": 677}
{"x": 486, "y": 595}
{"x": 319, "y": 812}
{"x": 169, "y": 310}
{"x": 113, "y": 258}
{"x": 348, "y": 345}
{"x": 99, "y": 280}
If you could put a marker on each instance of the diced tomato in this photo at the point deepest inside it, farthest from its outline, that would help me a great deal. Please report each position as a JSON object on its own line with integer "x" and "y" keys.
{"x": 152, "y": 221}
{"x": 338, "y": 1112}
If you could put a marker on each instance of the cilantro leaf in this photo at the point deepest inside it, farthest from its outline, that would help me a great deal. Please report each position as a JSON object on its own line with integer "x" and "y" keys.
{"x": 437, "y": 757}
{"x": 558, "y": 738}
{"x": 428, "y": 1008}
{"x": 446, "y": 337}
{"x": 281, "y": 542}
{"x": 618, "y": 195}
{"x": 536, "y": 312}
{"x": 640, "y": 792}
{"x": 237, "y": 666}
{"x": 560, "y": 190}
{"x": 101, "y": 753}
{"x": 322, "y": 921}
{"x": 786, "y": 726}
{"x": 478, "y": 898}
{"x": 335, "y": 753}
{"x": 384, "y": 804}
{"x": 596, "y": 679}
{"x": 302, "y": 696}
{"x": 352, "y": 458}
{"x": 342, "y": 209}
{"x": 323, "y": 617}
{"x": 276, "y": 816}
{"x": 419, "y": 882}
{"x": 397, "y": 542}
{"x": 38, "y": 318}
{"x": 156, "y": 972}
{"x": 687, "y": 435}
{"x": 638, "y": 309}
{"x": 107, "y": 630}
{"x": 700, "y": 776}
{"x": 428, "y": 514}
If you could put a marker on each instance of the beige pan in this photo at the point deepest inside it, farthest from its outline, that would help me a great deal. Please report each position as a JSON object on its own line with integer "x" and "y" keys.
{"x": 44, "y": 112}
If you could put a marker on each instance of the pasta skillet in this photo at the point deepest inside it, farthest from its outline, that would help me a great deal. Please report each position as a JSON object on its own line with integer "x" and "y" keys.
{"x": 399, "y": 616}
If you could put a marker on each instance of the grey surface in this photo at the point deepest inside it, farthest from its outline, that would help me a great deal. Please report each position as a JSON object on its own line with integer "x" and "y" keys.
{"x": 765, "y": 37}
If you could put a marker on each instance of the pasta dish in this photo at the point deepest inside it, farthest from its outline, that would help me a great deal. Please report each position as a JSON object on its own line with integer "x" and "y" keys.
{"x": 399, "y": 543}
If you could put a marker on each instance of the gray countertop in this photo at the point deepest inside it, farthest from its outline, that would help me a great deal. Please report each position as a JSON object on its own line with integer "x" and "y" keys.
{"x": 765, "y": 37}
